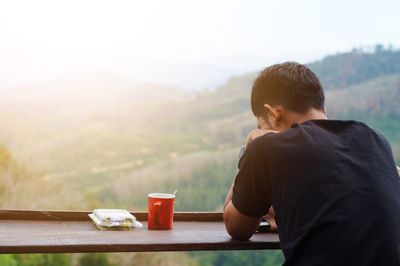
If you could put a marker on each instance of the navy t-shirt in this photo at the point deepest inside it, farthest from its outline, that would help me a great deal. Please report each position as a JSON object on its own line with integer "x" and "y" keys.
{"x": 335, "y": 190}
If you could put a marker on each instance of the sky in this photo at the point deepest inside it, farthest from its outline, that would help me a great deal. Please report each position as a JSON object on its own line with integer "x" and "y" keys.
{"x": 193, "y": 44}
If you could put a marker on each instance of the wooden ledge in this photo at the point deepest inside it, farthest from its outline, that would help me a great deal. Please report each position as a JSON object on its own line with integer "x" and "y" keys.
{"x": 44, "y": 215}
{"x": 26, "y": 231}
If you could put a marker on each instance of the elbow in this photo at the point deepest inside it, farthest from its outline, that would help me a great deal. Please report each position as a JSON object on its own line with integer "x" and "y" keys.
{"x": 239, "y": 236}
{"x": 235, "y": 231}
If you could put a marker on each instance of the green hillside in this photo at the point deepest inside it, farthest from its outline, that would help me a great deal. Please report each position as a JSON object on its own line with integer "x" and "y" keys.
{"x": 374, "y": 102}
{"x": 342, "y": 70}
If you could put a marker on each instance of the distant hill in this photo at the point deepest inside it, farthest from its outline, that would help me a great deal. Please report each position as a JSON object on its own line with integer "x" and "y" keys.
{"x": 342, "y": 70}
{"x": 220, "y": 121}
{"x": 120, "y": 142}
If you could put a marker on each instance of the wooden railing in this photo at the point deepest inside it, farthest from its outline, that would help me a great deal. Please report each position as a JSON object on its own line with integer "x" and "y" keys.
{"x": 23, "y": 231}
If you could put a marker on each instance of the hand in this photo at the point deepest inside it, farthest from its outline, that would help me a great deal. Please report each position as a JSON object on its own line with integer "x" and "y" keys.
{"x": 270, "y": 217}
{"x": 255, "y": 133}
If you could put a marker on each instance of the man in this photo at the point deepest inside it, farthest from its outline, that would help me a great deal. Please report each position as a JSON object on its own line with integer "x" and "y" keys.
{"x": 333, "y": 184}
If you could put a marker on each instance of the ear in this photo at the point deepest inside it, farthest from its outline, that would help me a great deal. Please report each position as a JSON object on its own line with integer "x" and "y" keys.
{"x": 274, "y": 112}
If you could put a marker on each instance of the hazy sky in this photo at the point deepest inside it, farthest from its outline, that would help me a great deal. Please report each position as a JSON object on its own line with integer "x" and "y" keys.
{"x": 42, "y": 40}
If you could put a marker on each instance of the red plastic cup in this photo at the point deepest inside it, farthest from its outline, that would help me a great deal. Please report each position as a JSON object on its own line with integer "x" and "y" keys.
{"x": 161, "y": 211}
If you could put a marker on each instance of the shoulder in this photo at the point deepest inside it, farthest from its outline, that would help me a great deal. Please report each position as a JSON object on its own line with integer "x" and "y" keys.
{"x": 366, "y": 129}
{"x": 337, "y": 126}
{"x": 356, "y": 129}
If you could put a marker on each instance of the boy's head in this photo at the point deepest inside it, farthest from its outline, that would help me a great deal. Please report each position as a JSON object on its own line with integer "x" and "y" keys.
{"x": 287, "y": 91}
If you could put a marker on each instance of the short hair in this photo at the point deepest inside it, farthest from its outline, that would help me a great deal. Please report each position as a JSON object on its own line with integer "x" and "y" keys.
{"x": 290, "y": 84}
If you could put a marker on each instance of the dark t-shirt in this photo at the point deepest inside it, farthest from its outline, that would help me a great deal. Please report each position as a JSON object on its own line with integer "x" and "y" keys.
{"x": 335, "y": 190}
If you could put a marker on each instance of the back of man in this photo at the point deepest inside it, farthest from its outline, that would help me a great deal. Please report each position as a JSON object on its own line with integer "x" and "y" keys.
{"x": 335, "y": 191}
{"x": 333, "y": 184}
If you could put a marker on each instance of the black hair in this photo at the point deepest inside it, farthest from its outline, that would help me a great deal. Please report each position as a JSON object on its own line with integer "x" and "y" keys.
{"x": 290, "y": 84}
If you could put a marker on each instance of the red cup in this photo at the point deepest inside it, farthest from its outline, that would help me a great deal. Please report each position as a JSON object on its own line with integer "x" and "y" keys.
{"x": 161, "y": 211}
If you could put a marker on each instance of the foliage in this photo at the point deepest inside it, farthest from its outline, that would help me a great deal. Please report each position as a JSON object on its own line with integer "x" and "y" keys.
{"x": 231, "y": 258}
{"x": 35, "y": 260}
{"x": 345, "y": 69}
{"x": 7, "y": 260}
{"x": 211, "y": 182}
{"x": 94, "y": 259}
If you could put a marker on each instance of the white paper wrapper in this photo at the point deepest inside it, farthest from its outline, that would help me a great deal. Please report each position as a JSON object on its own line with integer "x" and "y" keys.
{"x": 114, "y": 219}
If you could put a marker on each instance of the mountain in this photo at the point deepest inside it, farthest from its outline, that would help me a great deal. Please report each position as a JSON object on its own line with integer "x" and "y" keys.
{"x": 225, "y": 123}
{"x": 102, "y": 138}
{"x": 354, "y": 67}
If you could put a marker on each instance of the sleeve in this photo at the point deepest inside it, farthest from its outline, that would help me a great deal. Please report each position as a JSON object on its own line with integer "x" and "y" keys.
{"x": 386, "y": 144}
{"x": 251, "y": 193}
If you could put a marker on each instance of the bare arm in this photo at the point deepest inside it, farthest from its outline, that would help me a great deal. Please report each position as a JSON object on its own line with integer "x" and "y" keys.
{"x": 239, "y": 226}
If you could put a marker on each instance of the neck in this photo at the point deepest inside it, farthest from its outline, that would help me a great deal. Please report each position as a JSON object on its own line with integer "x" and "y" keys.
{"x": 310, "y": 115}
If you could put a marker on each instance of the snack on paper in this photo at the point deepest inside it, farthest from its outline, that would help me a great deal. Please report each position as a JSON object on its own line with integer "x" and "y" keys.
{"x": 114, "y": 219}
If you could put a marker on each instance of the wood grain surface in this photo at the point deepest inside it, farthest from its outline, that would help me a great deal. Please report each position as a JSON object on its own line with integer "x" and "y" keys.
{"x": 69, "y": 232}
